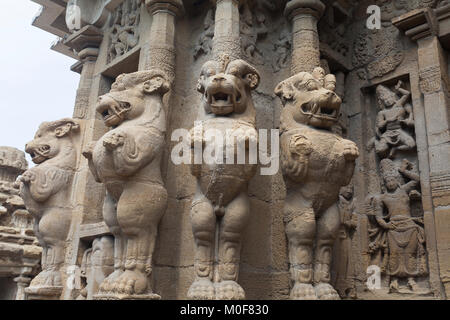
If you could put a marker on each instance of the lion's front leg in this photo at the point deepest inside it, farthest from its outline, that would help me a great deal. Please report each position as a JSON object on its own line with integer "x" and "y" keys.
{"x": 350, "y": 153}
{"x": 132, "y": 151}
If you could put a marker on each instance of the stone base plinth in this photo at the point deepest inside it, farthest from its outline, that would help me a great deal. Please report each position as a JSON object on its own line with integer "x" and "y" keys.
{"x": 114, "y": 296}
{"x": 43, "y": 293}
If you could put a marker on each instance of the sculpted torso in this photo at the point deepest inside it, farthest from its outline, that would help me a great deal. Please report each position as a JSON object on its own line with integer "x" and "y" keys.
{"x": 220, "y": 183}
{"x": 397, "y": 203}
{"x": 327, "y": 168}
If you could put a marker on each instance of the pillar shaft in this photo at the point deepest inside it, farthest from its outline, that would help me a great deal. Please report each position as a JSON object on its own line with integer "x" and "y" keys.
{"x": 160, "y": 51}
{"x": 305, "y": 15}
{"x": 227, "y": 39}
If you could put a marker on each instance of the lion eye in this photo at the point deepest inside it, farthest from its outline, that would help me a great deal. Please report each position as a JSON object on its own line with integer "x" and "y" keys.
{"x": 312, "y": 85}
{"x": 234, "y": 71}
{"x": 210, "y": 72}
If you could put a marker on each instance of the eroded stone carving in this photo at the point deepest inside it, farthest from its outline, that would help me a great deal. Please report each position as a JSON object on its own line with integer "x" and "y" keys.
{"x": 124, "y": 31}
{"x": 96, "y": 265}
{"x": 252, "y": 28}
{"x": 316, "y": 163}
{"x": 204, "y": 42}
{"x": 398, "y": 240}
{"x": 394, "y": 121}
{"x": 46, "y": 191}
{"x": 220, "y": 208}
{"x": 381, "y": 51}
{"x": 282, "y": 48}
{"x": 127, "y": 160}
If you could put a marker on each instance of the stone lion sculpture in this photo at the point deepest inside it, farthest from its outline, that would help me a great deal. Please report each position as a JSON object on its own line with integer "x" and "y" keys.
{"x": 127, "y": 161}
{"x": 46, "y": 191}
{"x": 316, "y": 163}
{"x": 220, "y": 208}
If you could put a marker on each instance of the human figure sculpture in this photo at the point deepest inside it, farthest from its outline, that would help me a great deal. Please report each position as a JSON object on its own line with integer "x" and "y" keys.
{"x": 345, "y": 284}
{"x": 281, "y": 48}
{"x": 316, "y": 163}
{"x": 127, "y": 160}
{"x": 220, "y": 208}
{"x": 46, "y": 191}
{"x": 393, "y": 120}
{"x": 399, "y": 236}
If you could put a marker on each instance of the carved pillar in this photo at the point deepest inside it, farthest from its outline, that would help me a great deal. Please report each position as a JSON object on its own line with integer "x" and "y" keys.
{"x": 161, "y": 47}
{"x": 87, "y": 195}
{"x": 227, "y": 38}
{"x": 304, "y": 15}
{"x": 422, "y": 26}
{"x": 88, "y": 59}
{"x": 22, "y": 283}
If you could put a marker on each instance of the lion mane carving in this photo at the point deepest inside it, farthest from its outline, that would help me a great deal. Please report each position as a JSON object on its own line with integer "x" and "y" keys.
{"x": 46, "y": 191}
{"x": 220, "y": 208}
{"x": 127, "y": 161}
{"x": 316, "y": 163}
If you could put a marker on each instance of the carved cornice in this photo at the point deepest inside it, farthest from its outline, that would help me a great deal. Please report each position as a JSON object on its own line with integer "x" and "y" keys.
{"x": 296, "y": 7}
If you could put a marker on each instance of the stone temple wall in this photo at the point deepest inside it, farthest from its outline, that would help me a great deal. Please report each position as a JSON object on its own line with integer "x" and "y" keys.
{"x": 121, "y": 236}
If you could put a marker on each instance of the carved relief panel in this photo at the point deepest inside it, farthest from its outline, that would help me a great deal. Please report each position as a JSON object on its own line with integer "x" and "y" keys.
{"x": 396, "y": 234}
{"x": 124, "y": 30}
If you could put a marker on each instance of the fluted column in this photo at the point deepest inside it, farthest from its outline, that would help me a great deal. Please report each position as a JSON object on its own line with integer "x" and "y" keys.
{"x": 304, "y": 15}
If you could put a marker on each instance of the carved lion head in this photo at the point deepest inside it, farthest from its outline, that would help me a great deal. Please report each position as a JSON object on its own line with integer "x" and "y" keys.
{"x": 226, "y": 86}
{"x": 311, "y": 98}
{"x": 126, "y": 100}
{"x": 47, "y": 141}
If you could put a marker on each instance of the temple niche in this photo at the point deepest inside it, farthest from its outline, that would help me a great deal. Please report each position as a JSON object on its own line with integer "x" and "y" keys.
{"x": 364, "y": 158}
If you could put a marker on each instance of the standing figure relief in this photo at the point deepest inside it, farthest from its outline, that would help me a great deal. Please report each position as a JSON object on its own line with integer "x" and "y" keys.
{"x": 220, "y": 208}
{"x": 316, "y": 163}
{"x": 394, "y": 121}
{"x": 46, "y": 191}
{"x": 398, "y": 239}
{"x": 127, "y": 160}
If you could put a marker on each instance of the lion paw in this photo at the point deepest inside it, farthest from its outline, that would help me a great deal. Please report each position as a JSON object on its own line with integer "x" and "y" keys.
{"x": 229, "y": 290}
{"x": 47, "y": 278}
{"x": 109, "y": 283}
{"x": 201, "y": 289}
{"x": 113, "y": 141}
{"x": 88, "y": 150}
{"x": 131, "y": 283}
{"x": 325, "y": 291}
{"x": 351, "y": 151}
{"x": 303, "y": 291}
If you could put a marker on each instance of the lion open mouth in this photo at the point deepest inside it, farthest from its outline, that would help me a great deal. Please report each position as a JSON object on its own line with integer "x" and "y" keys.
{"x": 39, "y": 154}
{"x": 325, "y": 110}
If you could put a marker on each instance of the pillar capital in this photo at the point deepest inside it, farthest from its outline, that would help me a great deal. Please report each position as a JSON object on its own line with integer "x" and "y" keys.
{"x": 313, "y": 7}
{"x": 418, "y": 24}
{"x": 174, "y": 7}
